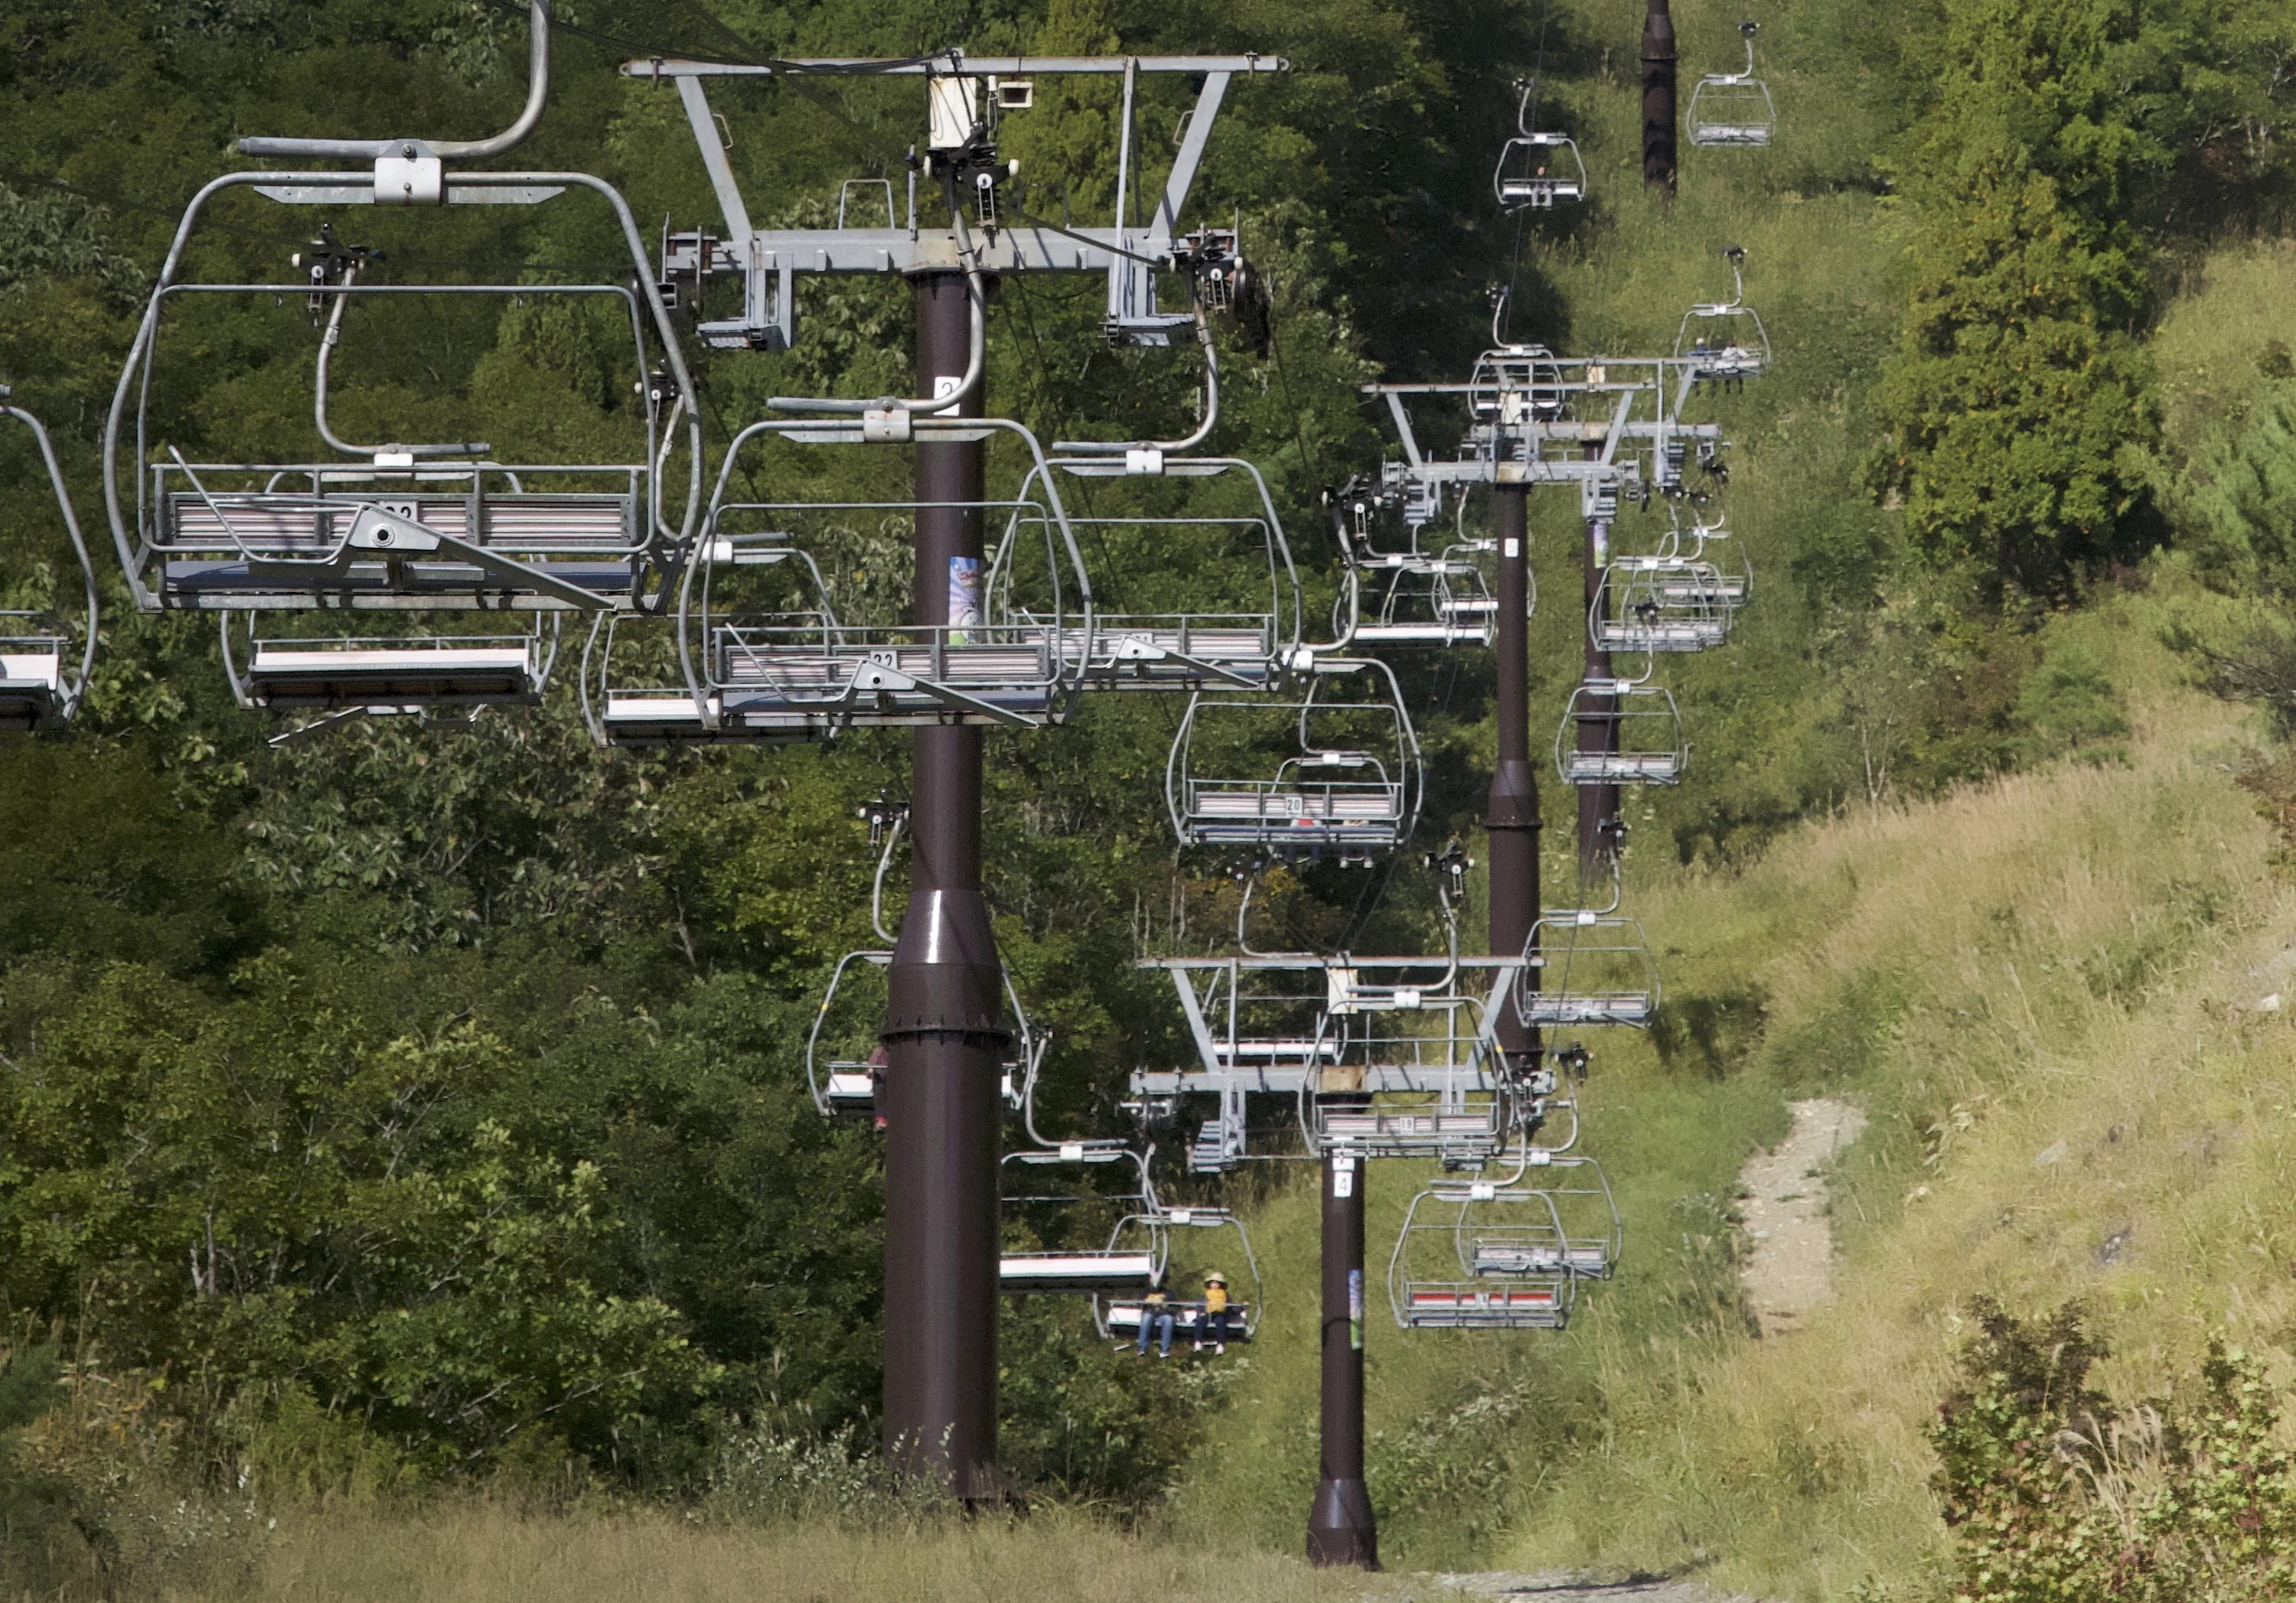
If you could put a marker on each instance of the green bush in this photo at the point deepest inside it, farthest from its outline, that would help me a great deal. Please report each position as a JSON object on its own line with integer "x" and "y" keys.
{"x": 2054, "y": 1495}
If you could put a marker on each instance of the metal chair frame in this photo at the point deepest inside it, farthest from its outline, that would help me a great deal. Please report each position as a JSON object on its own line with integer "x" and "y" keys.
{"x": 1509, "y": 1256}
{"x": 399, "y": 526}
{"x": 1594, "y": 969}
{"x": 846, "y": 1086}
{"x": 381, "y": 675}
{"x": 779, "y": 676}
{"x": 40, "y": 690}
{"x": 1732, "y": 110}
{"x": 1293, "y": 812}
{"x": 1639, "y": 761}
{"x": 1643, "y": 609}
{"x": 1736, "y": 357}
{"x": 1111, "y": 1314}
{"x": 1522, "y": 179}
{"x": 1183, "y": 649}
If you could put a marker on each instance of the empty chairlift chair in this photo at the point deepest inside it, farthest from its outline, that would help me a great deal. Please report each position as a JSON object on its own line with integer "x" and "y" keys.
{"x": 1618, "y": 733}
{"x": 843, "y": 1062}
{"x": 1732, "y": 109}
{"x": 1592, "y": 968}
{"x": 397, "y": 525}
{"x": 1647, "y": 607}
{"x": 396, "y": 673}
{"x": 1185, "y": 599}
{"x": 1131, "y": 1260}
{"x": 44, "y": 658}
{"x": 1350, "y": 787}
{"x": 1723, "y": 343}
{"x": 767, "y": 665}
{"x": 1730, "y": 585}
{"x": 1415, "y": 1070}
{"x": 636, "y": 689}
{"x": 401, "y": 525}
{"x": 1414, "y": 592}
{"x": 1504, "y": 1255}
{"x": 1538, "y": 166}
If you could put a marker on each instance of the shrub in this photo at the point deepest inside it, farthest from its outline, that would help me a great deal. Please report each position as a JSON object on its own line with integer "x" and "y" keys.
{"x": 2054, "y": 1495}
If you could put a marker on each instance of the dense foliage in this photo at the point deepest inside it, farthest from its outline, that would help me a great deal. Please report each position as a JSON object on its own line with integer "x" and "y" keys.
{"x": 433, "y": 1099}
{"x": 2054, "y": 1495}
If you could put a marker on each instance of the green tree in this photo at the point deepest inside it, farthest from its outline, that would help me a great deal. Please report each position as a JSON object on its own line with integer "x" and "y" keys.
{"x": 2017, "y": 390}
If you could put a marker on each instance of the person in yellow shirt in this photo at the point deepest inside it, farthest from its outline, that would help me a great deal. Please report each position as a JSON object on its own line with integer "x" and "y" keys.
{"x": 1215, "y": 1319}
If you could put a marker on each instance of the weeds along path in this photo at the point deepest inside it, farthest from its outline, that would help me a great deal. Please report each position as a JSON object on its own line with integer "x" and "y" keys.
{"x": 1790, "y": 1258}
{"x": 2046, "y": 994}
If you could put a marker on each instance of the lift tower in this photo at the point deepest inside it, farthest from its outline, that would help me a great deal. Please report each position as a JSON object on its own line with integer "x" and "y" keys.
{"x": 944, "y": 1036}
{"x": 1658, "y": 97}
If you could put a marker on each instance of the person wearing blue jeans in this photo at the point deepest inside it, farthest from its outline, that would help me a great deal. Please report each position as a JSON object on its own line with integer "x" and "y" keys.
{"x": 1155, "y": 1314}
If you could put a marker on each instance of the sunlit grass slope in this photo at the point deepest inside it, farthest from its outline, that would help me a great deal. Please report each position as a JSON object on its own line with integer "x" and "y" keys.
{"x": 483, "y": 1553}
{"x": 2046, "y": 991}
{"x": 2043, "y": 989}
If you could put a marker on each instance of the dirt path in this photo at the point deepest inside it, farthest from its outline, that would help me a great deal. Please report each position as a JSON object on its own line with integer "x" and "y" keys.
{"x": 1791, "y": 1268}
{"x": 1576, "y": 1588}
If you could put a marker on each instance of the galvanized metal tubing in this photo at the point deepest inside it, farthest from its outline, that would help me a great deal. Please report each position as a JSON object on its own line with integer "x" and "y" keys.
{"x": 1341, "y": 1529}
{"x": 1658, "y": 97}
{"x": 944, "y": 1036}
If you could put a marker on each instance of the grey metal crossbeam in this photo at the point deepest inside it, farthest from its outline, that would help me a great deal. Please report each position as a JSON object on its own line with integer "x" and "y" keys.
{"x": 769, "y": 260}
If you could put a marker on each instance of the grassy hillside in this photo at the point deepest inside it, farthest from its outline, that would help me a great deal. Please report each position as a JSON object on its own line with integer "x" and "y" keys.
{"x": 2044, "y": 990}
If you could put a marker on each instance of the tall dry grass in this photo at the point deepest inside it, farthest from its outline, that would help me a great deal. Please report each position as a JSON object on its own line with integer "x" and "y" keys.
{"x": 481, "y": 1552}
{"x": 2046, "y": 988}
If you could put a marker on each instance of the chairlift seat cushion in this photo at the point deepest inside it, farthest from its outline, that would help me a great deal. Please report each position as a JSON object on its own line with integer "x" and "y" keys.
{"x": 1568, "y": 1007}
{"x": 31, "y": 688}
{"x": 1622, "y": 767}
{"x": 1076, "y": 1271}
{"x": 282, "y": 675}
{"x": 1188, "y": 1318}
{"x": 1474, "y": 1307}
{"x": 25, "y": 673}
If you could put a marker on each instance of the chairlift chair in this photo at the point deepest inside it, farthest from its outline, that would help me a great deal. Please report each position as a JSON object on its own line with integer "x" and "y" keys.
{"x": 1236, "y": 563}
{"x": 40, "y": 682}
{"x": 634, "y": 685}
{"x": 1537, "y": 167}
{"x": 1732, "y": 109}
{"x": 1723, "y": 343}
{"x": 1133, "y": 1258}
{"x": 1730, "y": 587}
{"x": 760, "y": 664}
{"x": 1410, "y": 595}
{"x": 1643, "y": 740}
{"x": 843, "y": 1080}
{"x": 1416, "y": 1072}
{"x": 1644, "y": 609}
{"x": 399, "y": 673}
{"x": 1512, "y": 386}
{"x": 1119, "y": 1317}
{"x": 1504, "y": 1255}
{"x": 1352, "y": 789}
{"x": 399, "y": 526}
{"x": 1594, "y": 969}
